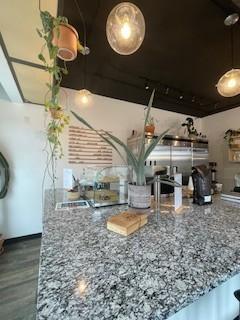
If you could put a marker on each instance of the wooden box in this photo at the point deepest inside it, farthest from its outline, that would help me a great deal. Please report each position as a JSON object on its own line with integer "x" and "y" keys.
{"x": 126, "y": 222}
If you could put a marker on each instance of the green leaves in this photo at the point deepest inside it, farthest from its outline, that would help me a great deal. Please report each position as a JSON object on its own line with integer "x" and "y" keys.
{"x": 41, "y": 57}
{"x": 137, "y": 162}
{"x": 50, "y": 25}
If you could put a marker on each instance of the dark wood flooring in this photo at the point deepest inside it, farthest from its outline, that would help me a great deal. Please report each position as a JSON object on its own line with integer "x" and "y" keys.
{"x": 18, "y": 280}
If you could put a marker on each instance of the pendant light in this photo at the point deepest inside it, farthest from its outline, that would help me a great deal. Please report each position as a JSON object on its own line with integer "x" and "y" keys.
{"x": 84, "y": 94}
{"x": 125, "y": 28}
{"x": 229, "y": 84}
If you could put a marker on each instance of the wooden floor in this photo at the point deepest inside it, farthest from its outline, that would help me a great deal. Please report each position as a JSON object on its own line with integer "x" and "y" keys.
{"x": 18, "y": 280}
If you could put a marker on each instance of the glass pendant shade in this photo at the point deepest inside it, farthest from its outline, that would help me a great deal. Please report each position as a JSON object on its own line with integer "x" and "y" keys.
{"x": 229, "y": 84}
{"x": 125, "y": 28}
{"x": 84, "y": 95}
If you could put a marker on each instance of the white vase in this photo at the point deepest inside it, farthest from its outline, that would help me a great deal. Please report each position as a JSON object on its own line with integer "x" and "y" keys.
{"x": 139, "y": 196}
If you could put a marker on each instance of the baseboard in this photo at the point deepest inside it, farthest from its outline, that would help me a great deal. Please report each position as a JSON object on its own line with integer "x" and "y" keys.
{"x": 28, "y": 237}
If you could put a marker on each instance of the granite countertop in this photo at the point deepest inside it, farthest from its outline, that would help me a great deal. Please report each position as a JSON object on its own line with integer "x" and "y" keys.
{"x": 88, "y": 272}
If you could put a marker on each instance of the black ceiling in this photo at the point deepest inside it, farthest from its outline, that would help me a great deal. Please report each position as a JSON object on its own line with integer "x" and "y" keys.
{"x": 186, "y": 48}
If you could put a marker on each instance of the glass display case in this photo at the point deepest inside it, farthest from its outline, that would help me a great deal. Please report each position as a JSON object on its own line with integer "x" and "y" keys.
{"x": 105, "y": 186}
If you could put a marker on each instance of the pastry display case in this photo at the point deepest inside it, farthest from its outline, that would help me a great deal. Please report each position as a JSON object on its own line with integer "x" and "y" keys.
{"x": 105, "y": 186}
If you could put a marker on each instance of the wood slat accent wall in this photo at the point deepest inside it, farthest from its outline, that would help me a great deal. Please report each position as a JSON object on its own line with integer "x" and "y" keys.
{"x": 86, "y": 147}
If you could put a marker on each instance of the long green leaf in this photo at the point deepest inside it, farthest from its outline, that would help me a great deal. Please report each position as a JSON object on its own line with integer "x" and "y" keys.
{"x": 102, "y": 136}
{"x": 149, "y": 108}
{"x": 153, "y": 144}
{"x": 129, "y": 152}
{"x": 142, "y": 149}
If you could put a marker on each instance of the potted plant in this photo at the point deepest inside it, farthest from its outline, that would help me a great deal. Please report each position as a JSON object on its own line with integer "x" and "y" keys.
{"x": 4, "y": 182}
{"x": 65, "y": 37}
{"x": 233, "y": 138}
{"x": 49, "y": 32}
{"x": 150, "y": 126}
{"x": 139, "y": 193}
{"x": 189, "y": 125}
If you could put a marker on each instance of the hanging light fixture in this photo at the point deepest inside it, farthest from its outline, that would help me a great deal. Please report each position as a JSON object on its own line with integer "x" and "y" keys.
{"x": 229, "y": 84}
{"x": 84, "y": 95}
{"x": 125, "y": 28}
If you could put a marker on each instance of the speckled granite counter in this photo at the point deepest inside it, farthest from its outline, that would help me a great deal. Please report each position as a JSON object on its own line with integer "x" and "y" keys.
{"x": 88, "y": 272}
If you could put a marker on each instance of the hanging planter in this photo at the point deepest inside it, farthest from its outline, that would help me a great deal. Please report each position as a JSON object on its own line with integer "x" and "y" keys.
{"x": 65, "y": 37}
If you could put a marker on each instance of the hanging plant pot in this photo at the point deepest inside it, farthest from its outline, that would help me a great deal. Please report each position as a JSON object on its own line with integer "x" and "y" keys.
{"x": 150, "y": 129}
{"x": 65, "y": 37}
{"x": 56, "y": 113}
{"x": 139, "y": 196}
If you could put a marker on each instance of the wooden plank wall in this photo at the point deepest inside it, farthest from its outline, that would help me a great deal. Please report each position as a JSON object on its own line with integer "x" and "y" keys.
{"x": 86, "y": 147}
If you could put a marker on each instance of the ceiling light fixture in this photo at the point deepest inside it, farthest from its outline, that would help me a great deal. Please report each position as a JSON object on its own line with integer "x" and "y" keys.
{"x": 229, "y": 84}
{"x": 147, "y": 84}
{"x": 125, "y": 28}
{"x": 84, "y": 95}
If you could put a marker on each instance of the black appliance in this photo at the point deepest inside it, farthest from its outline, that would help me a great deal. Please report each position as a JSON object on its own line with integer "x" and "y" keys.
{"x": 201, "y": 176}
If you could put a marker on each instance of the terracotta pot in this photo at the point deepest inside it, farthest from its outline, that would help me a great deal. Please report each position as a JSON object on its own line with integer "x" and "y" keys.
{"x": 150, "y": 129}
{"x": 56, "y": 114}
{"x": 139, "y": 196}
{"x": 66, "y": 41}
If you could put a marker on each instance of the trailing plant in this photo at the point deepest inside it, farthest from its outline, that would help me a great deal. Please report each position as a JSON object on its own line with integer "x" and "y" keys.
{"x": 189, "y": 125}
{"x": 59, "y": 119}
{"x": 137, "y": 162}
{"x": 230, "y": 133}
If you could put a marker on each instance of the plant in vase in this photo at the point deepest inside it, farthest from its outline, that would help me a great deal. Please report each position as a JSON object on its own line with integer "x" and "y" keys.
{"x": 139, "y": 192}
{"x": 231, "y": 136}
{"x": 150, "y": 126}
{"x": 189, "y": 125}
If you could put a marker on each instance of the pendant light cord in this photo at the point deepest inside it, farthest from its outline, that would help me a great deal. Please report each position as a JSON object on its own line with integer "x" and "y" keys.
{"x": 84, "y": 42}
{"x": 232, "y": 49}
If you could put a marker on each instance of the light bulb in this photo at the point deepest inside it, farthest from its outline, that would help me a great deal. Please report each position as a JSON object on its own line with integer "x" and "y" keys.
{"x": 126, "y": 31}
{"x": 229, "y": 84}
{"x": 125, "y": 28}
{"x": 84, "y": 99}
{"x": 84, "y": 95}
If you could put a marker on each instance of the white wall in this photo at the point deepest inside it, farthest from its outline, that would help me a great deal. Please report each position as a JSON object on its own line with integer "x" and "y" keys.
{"x": 117, "y": 116}
{"x": 215, "y": 126}
{"x": 22, "y": 140}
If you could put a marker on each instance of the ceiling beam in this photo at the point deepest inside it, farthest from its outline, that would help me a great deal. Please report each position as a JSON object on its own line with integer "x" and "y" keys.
{"x": 8, "y": 77}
